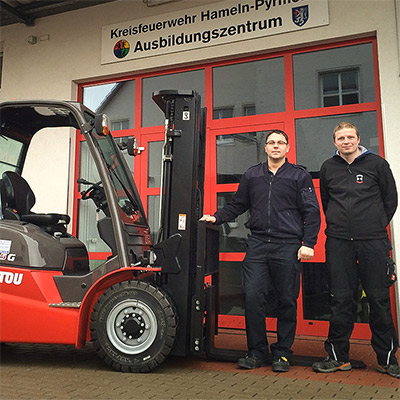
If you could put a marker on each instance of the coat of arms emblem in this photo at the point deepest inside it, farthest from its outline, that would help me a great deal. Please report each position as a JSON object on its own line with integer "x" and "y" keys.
{"x": 300, "y": 15}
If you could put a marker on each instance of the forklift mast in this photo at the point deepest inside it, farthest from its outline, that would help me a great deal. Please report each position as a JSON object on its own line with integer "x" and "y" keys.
{"x": 182, "y": 184}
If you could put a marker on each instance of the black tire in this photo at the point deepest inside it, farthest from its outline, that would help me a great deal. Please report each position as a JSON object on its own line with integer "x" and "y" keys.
{"x": 133, "y": 326}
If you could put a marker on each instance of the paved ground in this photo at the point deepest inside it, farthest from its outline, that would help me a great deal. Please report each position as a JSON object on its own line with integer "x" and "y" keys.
{"x": 62, "y": 372}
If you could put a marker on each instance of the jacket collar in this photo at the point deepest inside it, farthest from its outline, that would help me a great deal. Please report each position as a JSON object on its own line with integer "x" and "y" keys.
{"x": 363, "y": 152}
{"x": 282, "y": 167}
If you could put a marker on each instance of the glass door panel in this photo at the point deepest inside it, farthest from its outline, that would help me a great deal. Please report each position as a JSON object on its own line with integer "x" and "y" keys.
{"x": 317, "y": 133}
{"x": 88, "y": 215}
{"x": 233, "y": 234}
{"x": 154, "y": 164}
{"x": 153, "y": 215}
{"x": 231, "y": 300}
{"x": 151, "y": 161}
{"x": 235, "y": 153}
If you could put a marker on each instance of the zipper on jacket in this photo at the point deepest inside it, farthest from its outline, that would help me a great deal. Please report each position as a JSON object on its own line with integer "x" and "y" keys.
{"x": 349, "y": 200}
{"x": 271, "y": 178}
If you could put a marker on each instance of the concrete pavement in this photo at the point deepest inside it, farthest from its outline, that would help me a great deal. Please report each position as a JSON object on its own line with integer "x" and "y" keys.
{"x": 63, "y": 372}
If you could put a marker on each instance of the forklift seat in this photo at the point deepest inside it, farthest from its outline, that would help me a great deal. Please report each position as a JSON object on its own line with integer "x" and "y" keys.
{"x": 106, "y": 232}
{"x": 17, "y": 200}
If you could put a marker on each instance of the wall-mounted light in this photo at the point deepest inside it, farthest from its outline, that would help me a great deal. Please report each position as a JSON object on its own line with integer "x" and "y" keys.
{"x": 32, "y": 39}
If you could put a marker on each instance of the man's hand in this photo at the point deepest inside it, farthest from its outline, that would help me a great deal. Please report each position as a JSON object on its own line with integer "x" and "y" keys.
{"x": 208, "y": 218}
{"x": 305, "y": 253}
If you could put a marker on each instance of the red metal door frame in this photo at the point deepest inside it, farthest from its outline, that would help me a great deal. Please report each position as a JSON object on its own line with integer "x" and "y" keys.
{"x": 285, "y": 120}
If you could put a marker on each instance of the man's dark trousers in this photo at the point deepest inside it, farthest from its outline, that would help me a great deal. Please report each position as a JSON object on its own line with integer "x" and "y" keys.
{"x": 270, "y": 266}
{"x": 348, "y": 263}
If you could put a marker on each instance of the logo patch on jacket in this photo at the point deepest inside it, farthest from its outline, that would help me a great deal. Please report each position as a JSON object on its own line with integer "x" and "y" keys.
{"x": 360, "y": 178}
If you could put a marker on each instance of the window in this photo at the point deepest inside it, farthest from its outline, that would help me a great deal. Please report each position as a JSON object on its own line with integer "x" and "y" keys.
{"x": 227, "y": 112}
{"x": 119, "y": 125}
{"x": 221, "y": 113}
{"x": 93, "y": 96}
{"x": 317, "y": 134}
{"x": 339, "y": 88}
{"x": 233, "y": 234}
{"x": 315, "y": 290}
{"x": 117, "y": 100}
{"x": 249, "y": 109}
{"x": 256, "y": 87}
{"x": 188, "y": 80}
{"x": 87, "y": 230}
{"x": 154, "y": 164}
{"x": 236, "y": 153}
{"x": 231, "y": 295}
{"x": 316, "y": 294}
{"x": 10, "y": 153}
{"x": 320, "y": 71}
{"x": 153, "y": 216}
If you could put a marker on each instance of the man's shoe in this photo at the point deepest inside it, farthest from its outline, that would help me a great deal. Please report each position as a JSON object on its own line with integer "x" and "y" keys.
{"x": 280, "y": 364}
{"x": 251, "y": 362}
{"x": 330, "y": 365}
{"x": 391, "y": 369}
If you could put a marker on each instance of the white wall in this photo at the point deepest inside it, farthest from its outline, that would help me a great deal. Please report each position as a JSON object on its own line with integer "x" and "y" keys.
{"x": 51, "y": 68}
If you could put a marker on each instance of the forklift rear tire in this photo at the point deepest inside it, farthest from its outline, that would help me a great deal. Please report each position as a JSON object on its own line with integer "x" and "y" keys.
{"x": 133, "y": 326}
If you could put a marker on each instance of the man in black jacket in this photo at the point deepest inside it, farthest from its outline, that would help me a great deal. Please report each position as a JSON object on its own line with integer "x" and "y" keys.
{"x": 359, "y": 199}
{"x": 284, "y": 224}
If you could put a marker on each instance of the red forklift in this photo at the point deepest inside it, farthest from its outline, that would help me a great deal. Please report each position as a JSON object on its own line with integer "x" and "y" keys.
{"x": 147, "y": 300}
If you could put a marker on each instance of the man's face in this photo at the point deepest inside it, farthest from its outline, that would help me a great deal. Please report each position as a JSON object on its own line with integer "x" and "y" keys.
{"x": 346, "y": 141}
{"x": 276, "y": 146}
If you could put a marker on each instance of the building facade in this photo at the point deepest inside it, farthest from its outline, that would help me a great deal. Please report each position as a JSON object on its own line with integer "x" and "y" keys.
{"x": 298, "y": 65}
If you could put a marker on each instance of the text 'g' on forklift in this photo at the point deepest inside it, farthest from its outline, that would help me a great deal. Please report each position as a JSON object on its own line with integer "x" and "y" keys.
{"x": 147, "y": 300}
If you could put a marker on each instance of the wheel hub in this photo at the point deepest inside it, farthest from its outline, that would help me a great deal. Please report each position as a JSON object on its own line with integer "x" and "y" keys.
{"x": 133, "y": 326}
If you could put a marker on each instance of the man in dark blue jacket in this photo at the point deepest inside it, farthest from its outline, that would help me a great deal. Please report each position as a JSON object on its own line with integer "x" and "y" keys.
{"x": 284, "y": 224}
{"x": 359, "y": 199}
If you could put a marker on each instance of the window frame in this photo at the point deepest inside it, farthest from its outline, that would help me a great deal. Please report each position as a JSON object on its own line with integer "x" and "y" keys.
{"x": 120, "y": 122}
{"x": 340, "y": 93}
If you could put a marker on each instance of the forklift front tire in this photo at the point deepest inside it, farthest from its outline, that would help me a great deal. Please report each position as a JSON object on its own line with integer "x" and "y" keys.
{"x": 133, "y": 326}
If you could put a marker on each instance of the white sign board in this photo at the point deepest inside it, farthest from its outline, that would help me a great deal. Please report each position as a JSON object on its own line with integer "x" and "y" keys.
{"x": 209, "y": 25}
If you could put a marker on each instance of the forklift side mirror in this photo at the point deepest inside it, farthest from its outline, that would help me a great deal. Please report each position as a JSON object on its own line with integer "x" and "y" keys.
{"x": 102, "y": 124}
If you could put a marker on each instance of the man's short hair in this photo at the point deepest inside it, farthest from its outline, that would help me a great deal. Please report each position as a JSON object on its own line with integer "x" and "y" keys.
{"x": 345, "y": 125}
{"x": 269, "y": 133}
